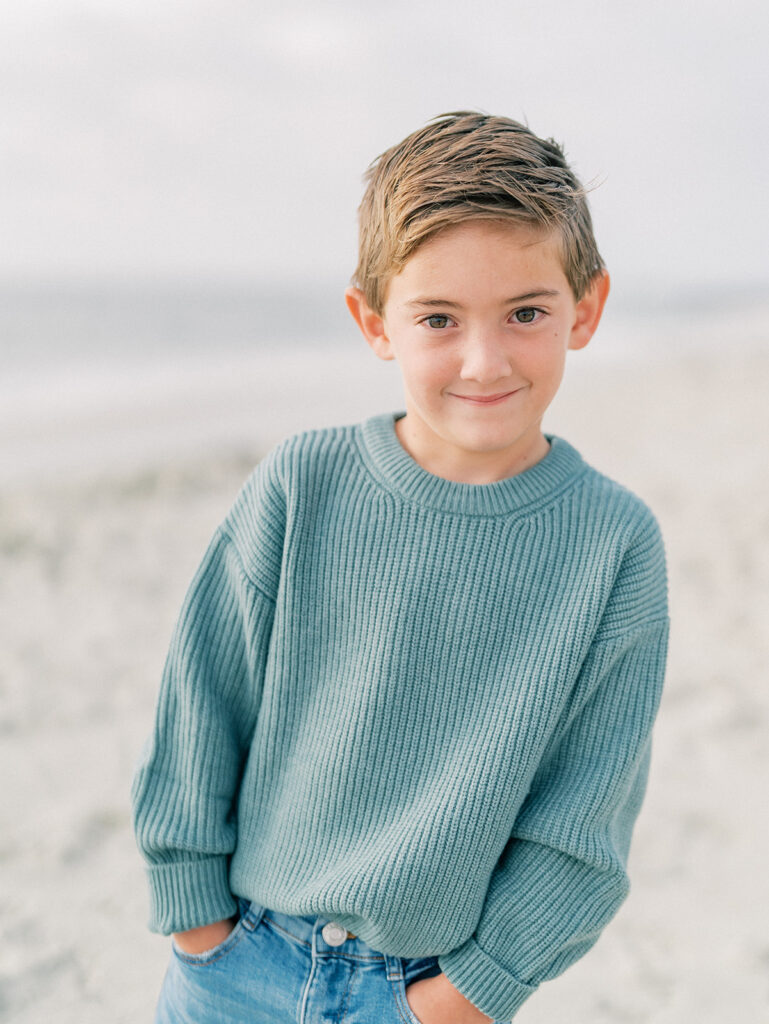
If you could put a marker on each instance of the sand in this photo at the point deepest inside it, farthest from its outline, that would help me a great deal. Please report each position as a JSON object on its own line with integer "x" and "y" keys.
{"x": 95, "y": 557}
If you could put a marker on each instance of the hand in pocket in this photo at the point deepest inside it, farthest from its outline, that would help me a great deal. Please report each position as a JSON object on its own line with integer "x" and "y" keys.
{"x": 436, "y": 1001}
{"x": 200, "y": 940}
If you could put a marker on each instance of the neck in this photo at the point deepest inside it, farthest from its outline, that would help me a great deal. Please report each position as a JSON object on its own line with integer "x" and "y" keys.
{"x": 468, "y": 467}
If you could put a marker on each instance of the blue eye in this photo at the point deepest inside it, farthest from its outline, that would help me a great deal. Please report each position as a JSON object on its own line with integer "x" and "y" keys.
{"x": 437, "y": 321}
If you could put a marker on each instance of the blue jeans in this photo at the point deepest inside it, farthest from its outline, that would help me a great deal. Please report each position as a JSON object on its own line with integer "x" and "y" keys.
{"x": 278, "y": 969}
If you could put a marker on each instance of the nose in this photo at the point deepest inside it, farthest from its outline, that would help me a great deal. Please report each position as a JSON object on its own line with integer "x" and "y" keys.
{"x": 485, "y": 358}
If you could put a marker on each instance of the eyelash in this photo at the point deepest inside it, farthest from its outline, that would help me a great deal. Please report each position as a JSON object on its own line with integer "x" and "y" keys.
{"x": 530, "y": 309}
{"x": 523, "y": 323}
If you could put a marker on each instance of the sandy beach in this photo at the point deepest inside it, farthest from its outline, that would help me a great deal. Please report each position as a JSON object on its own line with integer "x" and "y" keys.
{"x": 95, "y": 556}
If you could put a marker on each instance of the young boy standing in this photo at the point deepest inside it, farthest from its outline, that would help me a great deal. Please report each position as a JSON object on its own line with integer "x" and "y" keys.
{"x": 404, "y": 727}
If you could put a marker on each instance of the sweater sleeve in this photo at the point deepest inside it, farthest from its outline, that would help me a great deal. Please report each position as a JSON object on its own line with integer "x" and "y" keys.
{"x": 562, "y": 874}
{"x": 185, "y": 787}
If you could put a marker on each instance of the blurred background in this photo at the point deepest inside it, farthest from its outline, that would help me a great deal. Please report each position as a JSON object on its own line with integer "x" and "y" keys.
{"x": 179, "y": 185}
{"x": 178, "y": 195}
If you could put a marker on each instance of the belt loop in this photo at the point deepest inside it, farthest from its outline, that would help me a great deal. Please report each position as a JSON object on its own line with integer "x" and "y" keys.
{"x": 394, "y": 967}
{"x": 252, "y": 915}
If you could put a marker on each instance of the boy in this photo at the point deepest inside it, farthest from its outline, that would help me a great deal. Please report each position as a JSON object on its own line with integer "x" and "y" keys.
{"x": 404, "y": 727}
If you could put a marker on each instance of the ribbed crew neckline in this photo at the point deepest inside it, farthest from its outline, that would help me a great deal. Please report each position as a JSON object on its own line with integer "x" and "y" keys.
{"x": 396, "y": 470}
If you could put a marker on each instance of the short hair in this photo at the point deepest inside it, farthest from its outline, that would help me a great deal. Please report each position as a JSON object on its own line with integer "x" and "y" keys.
{"x": 468, "y": 166}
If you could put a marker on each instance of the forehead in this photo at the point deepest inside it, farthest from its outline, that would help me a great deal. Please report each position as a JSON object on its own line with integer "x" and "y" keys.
{"x": 481, "y": 255}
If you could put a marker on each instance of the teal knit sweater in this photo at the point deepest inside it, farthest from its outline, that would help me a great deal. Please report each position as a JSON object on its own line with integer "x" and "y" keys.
{"x": 417, "y": 707}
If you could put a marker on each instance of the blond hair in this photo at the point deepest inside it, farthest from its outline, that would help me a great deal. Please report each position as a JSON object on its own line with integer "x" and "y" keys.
{"x": 468, "y": 166}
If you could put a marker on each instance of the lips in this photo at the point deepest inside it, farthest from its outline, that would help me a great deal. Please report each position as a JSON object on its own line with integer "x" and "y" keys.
{"x": 486, "y": 399}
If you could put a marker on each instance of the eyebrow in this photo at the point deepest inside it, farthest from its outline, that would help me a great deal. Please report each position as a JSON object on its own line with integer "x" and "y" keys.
{"x": 540, "y": 293}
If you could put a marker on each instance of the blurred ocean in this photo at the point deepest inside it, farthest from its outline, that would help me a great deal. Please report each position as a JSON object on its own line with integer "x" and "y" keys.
{"x": 98, "y": 377}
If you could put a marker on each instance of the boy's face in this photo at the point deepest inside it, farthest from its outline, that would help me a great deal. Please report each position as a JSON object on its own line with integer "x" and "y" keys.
{"x": 479, "y": 319}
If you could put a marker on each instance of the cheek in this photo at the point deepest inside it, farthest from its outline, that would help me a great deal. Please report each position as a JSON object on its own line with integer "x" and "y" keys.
{"x": 430, "y": 367}
{"x": 546, "y": 362}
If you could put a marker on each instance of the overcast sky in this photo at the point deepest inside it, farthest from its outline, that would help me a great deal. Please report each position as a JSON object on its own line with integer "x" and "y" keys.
{"x": 207, "y": 139}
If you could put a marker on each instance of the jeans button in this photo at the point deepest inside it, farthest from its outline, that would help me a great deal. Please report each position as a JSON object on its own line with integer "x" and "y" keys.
{"x": 333, "y": 933}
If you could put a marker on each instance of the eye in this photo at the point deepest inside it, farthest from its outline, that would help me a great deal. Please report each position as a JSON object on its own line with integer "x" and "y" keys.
{"x": 527, "y": 315}
{"x": 437, "y": 321}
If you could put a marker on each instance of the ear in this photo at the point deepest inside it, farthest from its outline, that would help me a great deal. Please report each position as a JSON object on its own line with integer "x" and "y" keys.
{"x": 371, "y": 324}
{"x": 589, "y": 310}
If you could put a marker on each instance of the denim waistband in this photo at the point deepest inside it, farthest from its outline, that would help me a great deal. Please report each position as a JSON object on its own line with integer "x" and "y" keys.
{"x": 308, "y": 930}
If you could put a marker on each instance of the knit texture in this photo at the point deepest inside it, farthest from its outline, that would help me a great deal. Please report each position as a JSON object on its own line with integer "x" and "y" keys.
{"x": 417, "y": 707}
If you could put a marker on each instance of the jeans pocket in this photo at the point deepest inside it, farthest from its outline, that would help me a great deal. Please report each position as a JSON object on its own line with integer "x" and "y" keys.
{"x": 399, "y": 989}
{"x": 399, "y": 986}
{"x": 217, "y": 952}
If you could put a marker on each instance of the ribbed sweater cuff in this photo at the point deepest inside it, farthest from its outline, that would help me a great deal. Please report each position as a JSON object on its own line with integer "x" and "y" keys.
{"x": 189, "y": 894}
{"x": 481, "y": 980}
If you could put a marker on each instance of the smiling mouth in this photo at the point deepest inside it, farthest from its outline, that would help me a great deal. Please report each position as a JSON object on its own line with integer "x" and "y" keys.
{"x": 487, "y": 399}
